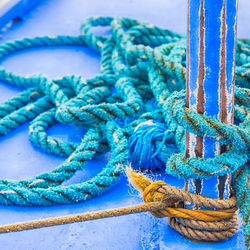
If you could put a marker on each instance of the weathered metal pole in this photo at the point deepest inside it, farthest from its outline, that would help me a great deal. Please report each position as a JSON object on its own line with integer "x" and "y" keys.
{"x": 211, "y": 46}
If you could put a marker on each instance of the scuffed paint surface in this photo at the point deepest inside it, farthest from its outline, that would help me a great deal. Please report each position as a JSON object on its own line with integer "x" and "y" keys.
{"x": 141, "y": 231}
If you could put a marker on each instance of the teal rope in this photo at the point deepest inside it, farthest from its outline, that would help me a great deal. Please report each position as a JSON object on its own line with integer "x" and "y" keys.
{"x": 241, "y": 185}
{"x": 138, "y": 97}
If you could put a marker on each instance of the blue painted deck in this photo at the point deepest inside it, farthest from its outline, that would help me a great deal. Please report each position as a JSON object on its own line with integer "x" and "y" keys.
{"x": 14, "y": 9}
{"x": 19, "y": 159}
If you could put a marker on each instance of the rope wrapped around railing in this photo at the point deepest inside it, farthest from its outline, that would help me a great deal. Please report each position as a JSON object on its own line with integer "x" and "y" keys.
{"x": 195, "y": 224}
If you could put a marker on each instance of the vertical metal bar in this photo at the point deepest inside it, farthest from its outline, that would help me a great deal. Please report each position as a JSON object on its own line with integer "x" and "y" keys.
{"x": 211, "y": 46}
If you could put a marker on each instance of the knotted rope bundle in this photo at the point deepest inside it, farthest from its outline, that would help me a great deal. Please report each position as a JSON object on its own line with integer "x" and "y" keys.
{"x": 142, "y": 81}
{"x": 201, "y": 224}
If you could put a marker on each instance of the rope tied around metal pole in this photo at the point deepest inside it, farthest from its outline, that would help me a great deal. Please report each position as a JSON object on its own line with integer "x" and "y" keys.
{"x": 161, "y": 200}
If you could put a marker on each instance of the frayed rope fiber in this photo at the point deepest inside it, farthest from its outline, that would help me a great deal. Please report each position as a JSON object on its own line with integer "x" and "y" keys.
{"x": 135, "y": 108}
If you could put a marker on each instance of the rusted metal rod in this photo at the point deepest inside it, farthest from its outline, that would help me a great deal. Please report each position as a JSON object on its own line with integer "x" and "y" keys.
{"x": 211, "y": 46}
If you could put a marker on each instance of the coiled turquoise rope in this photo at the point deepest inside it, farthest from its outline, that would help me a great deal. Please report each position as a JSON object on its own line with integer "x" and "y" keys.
{"x": 142, "y": 78}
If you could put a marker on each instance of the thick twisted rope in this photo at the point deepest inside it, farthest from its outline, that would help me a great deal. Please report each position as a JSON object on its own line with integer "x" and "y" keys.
{"x": 141, "y": 81}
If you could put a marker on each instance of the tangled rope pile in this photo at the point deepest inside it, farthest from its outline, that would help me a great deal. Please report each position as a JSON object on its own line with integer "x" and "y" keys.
{"x": 141, "y": 83}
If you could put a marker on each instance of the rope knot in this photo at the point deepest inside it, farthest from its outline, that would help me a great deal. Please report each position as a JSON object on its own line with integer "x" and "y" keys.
{"x": 153, "y": 193}
{"x": 147, "y": 145}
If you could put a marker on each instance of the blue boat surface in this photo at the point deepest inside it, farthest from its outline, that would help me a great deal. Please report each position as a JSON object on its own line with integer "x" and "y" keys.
{"x": 14, "y": 10}
{"x": 20, "y": 159}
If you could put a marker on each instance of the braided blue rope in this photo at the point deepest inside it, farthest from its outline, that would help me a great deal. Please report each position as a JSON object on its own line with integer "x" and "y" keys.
{"x": 133, "y": 108}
